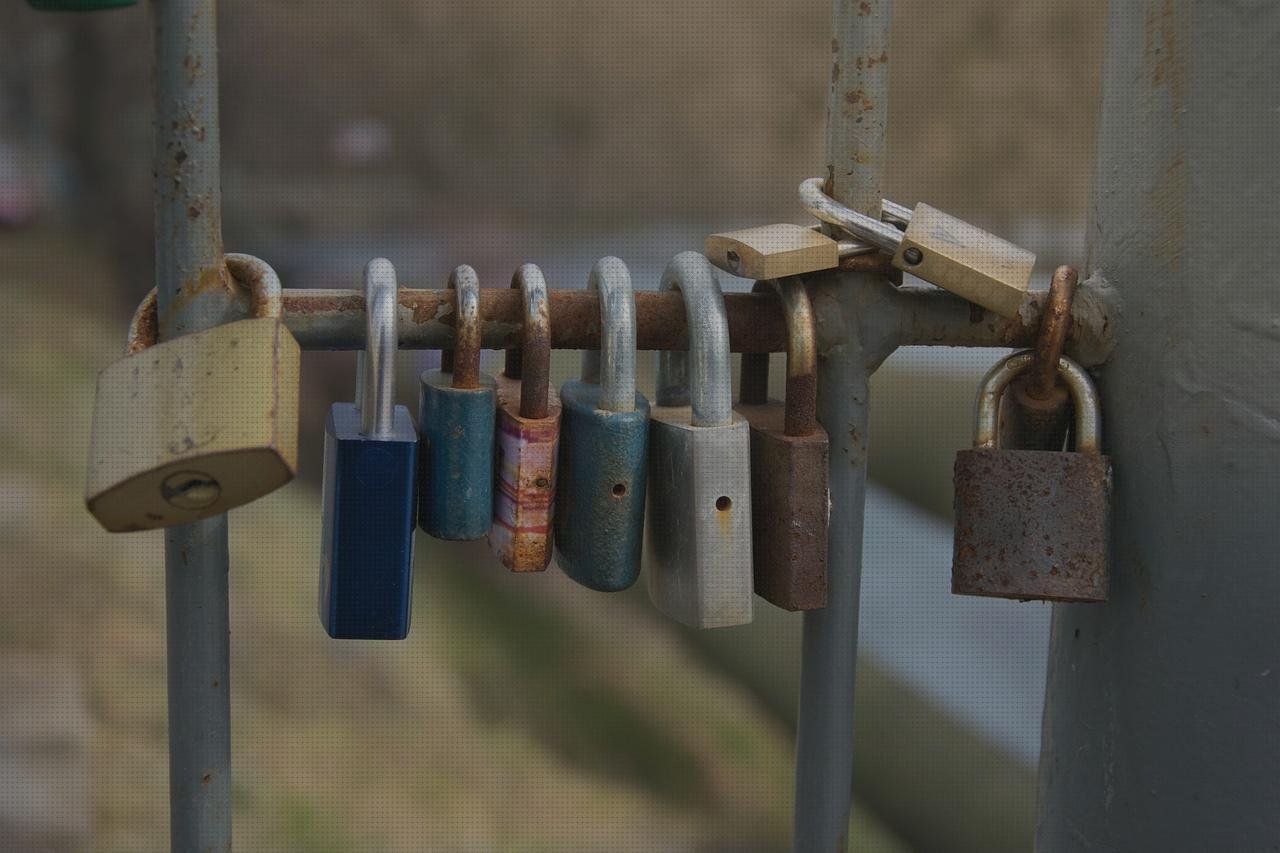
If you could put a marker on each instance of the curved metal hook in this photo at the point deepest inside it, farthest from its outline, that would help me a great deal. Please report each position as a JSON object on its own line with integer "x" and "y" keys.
{"x": 535, "y": 342}
{"x": 376, "y": 397}
{"x": 800, "y": 417}
{"x": 613, "y": 366}
{"x": 706, "y": 365}
{"x": 253, "y": 274}
{"x": 463, "y": 361}
{"x": 1085, "y": 396}
{"x": 880, "y": 234}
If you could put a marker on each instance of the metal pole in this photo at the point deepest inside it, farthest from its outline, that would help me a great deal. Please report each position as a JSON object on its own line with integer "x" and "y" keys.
{"x": 856, "y": 116}
{"x": 194, "y": 292}
{"x": 1162, "y": 705}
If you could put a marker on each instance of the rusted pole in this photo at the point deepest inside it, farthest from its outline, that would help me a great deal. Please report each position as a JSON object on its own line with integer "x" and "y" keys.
{"x": 856, "y": 117}
{"x": 194, "y": 292}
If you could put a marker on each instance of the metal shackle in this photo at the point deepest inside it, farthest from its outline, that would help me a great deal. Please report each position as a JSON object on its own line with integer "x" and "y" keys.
{"x": 531, "y": 362}
{"x": 463, "y": 361}
{"x": 1083, "y": 393}
{"x": 254, "y": 274}
{"x": 801, "y": 417}
{"x": 376, "y": 365}
{"x": 880, "y": 234}
{"x": 702, "y": 375}
{"x": 613, "y": 366}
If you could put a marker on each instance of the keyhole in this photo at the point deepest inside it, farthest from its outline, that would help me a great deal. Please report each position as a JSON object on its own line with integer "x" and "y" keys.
{"x": 619, "y": 489}
{"x": 723, "y": 503}
{"x": 190, "y": 490}
{"x": 735, "y": 262}
{"x": 913, "y": 256}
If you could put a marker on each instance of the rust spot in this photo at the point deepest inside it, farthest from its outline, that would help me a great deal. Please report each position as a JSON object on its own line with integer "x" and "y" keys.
{"x": 835, "y": 72}
{"x": 193, "y": 212}
{"x": 864, "y": 8}
{"x": 206, "y": 779}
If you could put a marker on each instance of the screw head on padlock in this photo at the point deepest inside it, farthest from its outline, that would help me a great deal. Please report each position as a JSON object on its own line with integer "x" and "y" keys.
{"x": 195, "y": 426}
{"x": 790, "y": 502}
{"x": 600, "y": 494}
{"x": 1033, "y": 524}
{"x": 528, "y": 438}
{"x": 369, "y": 487}
{"x": 456, "y": 418}
{"x": 698, "y": 524}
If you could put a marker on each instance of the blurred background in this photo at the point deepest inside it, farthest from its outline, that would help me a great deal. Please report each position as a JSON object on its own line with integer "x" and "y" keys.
{"x": 524, "y": 713}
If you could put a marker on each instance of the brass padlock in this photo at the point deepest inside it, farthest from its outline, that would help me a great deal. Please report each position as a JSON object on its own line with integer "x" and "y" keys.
{"x": 1033, "y": 524}
{"x": 790, "y": 504}
{"x": 938, "y": 248}
{"x": 192, "y": 427}
{"x": 778, "y": 251}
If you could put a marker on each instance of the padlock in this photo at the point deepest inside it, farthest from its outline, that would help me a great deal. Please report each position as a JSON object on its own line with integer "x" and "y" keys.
{"x": 698, "y": 524}
{"x": 369, "y": 487}
{"x": 456, "y": 421}
{"x": 528, "y": 437}
{"x": 938, "y": 248}
{"x": 1033, "y": 524}
{"x": 195, "y": 426}
{"x": 790, "y": 503}
{"x": 599, "y": 518}
{"x": 778, "y": 251}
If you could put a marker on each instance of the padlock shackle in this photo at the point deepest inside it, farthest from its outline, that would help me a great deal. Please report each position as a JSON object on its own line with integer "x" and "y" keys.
{"x": 613, "y": 366}
{"x": 254, "y": 274}
{"x": 376, "y": 394}
{"x": 463, "y": 361}
{"x": 1083, "y": 394}
{"x": 533, "y": 358}
{"x": 880, "y": 234}
{"x": 801, "y": 417}
{"x": 703, "y": 375}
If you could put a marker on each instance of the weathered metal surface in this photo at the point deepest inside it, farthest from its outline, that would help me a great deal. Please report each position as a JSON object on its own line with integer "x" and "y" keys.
{"x": 528, "y": 437}
{"x": 456, "y": 418}
{"x": 604, "y": 440}
{"x": 1036, "y": 410}
{"x": 697, "y": 529}
{"x": 790, "y": 503}
{"x": 772, "y": 251}
{"x": 1031, "y": 524}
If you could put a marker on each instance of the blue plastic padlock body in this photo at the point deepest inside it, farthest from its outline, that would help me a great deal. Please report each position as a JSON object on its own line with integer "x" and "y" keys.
{"x": 600, "y": 497}
{"x": 370, "y": 487}
{"x": 456, "y": 459}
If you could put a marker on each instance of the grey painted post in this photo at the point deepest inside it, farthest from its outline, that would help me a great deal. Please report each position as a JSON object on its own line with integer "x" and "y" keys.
{"x": 1163, "y": 705}
{"x": 194, "y": 292}
{"x": 856, "y": 116}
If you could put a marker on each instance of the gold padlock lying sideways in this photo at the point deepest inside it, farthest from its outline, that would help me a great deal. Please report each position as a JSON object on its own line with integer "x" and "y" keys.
{"x": 192, "y": 427}
{"x": 936, "y": 247}
{"x": 779, "y": 251}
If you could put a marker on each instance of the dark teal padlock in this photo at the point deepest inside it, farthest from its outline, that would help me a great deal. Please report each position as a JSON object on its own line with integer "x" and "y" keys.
{"x": 370, "y": 482}
{"x": 456, "y": 419}
{"x": 78, "y": 5}
{"x": 604, "y": 435}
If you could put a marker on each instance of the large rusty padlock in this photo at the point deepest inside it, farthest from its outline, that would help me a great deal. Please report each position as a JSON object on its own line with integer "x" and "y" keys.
{"x": 1033, "y": 524}
{"x": 197, "y": 425}
{"x": 528, "y": 438}
{"x": 790, "y": 504}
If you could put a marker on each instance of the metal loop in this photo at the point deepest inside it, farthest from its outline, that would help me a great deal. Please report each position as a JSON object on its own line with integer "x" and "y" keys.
{"x": 1083, "y": 392}
{"x": 1055, "y": 324}
{"x": 463, "y": 361}
{"x": 800, "y": 417}
{"x": 253, "y": 274}
{"x": 613, "y": 366}
{"x": 535, "y": 342}
{"x": 706, "y": 365}
{"x": 880, "y": 234}
{"x": 376, "y": 398}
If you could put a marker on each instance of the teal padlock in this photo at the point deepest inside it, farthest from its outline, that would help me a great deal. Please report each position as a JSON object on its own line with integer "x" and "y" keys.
{"x": 78, "y": 5}
{"x": 456, "y": 418}
{"x": 604, "y": 436}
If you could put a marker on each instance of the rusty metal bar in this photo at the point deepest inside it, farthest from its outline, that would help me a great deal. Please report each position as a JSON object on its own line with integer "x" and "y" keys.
{"x": 194, "y": 291}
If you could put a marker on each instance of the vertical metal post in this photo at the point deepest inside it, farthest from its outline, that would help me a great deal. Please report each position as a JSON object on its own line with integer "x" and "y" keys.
{"x": 1161, "y": 707}
{"x": 194, "y": 292}
{"x": 856, "y": 116}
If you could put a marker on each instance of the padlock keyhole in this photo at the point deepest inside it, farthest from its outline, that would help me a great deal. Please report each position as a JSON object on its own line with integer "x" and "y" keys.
{"x": 619, "y": 489}
{"x": 723, "y": 503}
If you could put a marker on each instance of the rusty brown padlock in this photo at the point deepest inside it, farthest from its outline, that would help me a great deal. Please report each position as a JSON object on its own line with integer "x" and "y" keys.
{"x": 790, "y": 504}
{"x": 1033, "y": 524}
{"x": 527, "y": 438}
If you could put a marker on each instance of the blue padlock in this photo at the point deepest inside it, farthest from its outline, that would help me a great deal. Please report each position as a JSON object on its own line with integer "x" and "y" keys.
{"x": 456, "y": 417}
{"x": 370, "y": 483}
{"x": 604, "y": 435}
